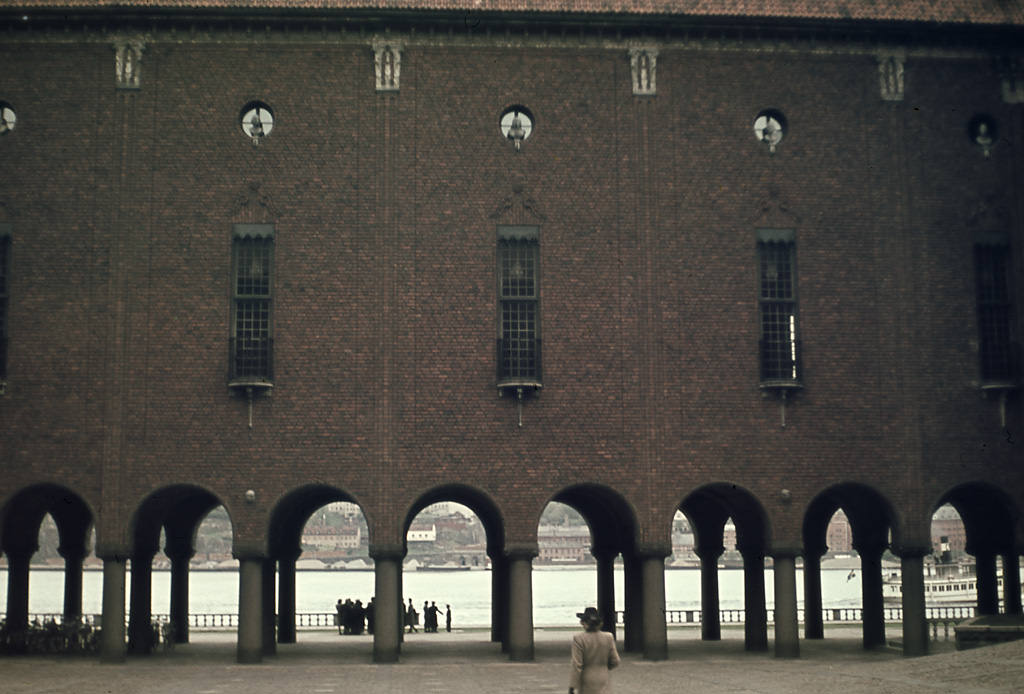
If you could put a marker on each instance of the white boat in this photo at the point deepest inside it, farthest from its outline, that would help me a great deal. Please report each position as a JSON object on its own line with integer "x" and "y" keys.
{"x": 946, "y": 582}
{"x": 953, "y": 583}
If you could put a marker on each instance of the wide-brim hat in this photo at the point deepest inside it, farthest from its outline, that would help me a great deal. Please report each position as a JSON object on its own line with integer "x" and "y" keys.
{"x": 589, "y": 615}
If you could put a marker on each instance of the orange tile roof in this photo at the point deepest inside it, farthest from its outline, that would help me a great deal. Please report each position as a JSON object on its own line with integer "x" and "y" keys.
{"x": 982, "y": 12}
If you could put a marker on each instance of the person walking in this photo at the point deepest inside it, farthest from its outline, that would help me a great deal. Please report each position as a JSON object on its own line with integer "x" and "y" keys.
{"x": 593, "y": 656}
{"x": 412, "y": 618}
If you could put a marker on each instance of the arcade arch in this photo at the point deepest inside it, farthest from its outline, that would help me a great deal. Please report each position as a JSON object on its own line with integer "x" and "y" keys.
{"x": 871, "y": 518}
{"x": 708, "y": 509}
{"x": 486, "y": 511}
{"x": 173, "y": 514}
{"x": 613, "y": 531}
{"x": 287, "y": 522}
{"x": 991, "y": 522}
{"x": 20, "y": 520}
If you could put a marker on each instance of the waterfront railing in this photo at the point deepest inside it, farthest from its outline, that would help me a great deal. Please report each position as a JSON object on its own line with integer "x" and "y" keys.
{"x": 941, "y": 620}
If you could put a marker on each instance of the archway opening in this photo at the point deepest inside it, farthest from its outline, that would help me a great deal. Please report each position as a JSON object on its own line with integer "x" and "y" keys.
{"x": 166, "y": 546}
{"x": 988, "y": 565}
{"x": 847, "y": 531}
{"x": 47, "y": 540}
{"x": 446, "y": 584}
{"x": 319, "y": 574}
{"x": 728, "y": 529}
{"x": 565, "y": 570}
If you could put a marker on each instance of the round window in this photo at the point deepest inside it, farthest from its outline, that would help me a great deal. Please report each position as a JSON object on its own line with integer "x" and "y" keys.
{"x": 516, "y": 124}
{"x": 770, "y": 127}
{"x": 7, "y": 118}
{"x": 257, "y": 120}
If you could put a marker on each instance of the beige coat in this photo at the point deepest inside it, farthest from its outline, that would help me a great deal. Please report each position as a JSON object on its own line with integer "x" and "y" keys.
{"x": 593, "y": 655}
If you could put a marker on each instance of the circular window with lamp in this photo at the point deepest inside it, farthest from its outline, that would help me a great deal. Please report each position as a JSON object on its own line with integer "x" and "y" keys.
{"x": 257, "y": 120}
{"x": 516, "y": 124}
{"x": 7, "y": 118}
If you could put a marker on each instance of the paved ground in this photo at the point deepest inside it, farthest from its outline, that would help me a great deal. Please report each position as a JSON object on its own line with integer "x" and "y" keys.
{"x": 463, "y": 663}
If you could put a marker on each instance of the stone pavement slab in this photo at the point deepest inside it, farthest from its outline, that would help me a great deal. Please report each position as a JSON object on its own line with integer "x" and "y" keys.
{"x": 322, "y": 663}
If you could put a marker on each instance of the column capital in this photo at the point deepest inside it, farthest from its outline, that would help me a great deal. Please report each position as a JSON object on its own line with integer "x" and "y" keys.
{"x": 249, "y": 554}
{"x": 179, "y": 551}
{"x": 653, "y": 550}
{"x": 603, "y": 552}
{"x": 386, "y": 552}
{"x": 786, "y": 552}
{"x": 868, "y": 549}
{"x": 292, "y": 555}
{"x": 74, "y": 552}
{"x": 112, "y": 552}
{"x": 751, "y": 551}
{"x": 22, "y": 551}
{"x": 525, "y": 550}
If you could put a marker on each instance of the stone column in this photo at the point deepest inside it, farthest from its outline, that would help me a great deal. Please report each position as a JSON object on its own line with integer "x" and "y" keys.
{"x": 112, "y": 645}
{"x": 499, "y": 601}
{"x": 520, "y": 606}
{"x": 606, "y": 587}
{"x": 140, "y": 616}
{"x": 73, "y": 558}
{"x": 1011, "y": 583}
{"x": 269, "y": 607}
{"x": 286, "y": 598}
{"x": 787, "y": 631}
{"x": 655, "y": 643}
{"x": 387, "y": 628}
{"x": 915, "y": 623}
{"x": 250, "y": 609}
{"x": 814, "y": 625}
{"x": 871, "y": 596}
{"x": 988, "y": 587}
{"x": 710, "y": 611}
{"x": 755, "y": 625}
{"x": 17, "y": 589}
{"x": 633, "y": 620}
{"x": 179, "y": 591}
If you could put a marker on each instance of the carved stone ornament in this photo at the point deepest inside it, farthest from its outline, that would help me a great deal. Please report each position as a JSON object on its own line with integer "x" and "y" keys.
{"x": 387, "y": 64}
{"x": 890, "y": 74}
{"x": 253, "y": 206}
{"x": 643, "y": 64}
{"x": 518, "y": 208}
{"x": 128, "y": 61}
{"x": 1011, "y": 76}
{"x": 774, "y": 211}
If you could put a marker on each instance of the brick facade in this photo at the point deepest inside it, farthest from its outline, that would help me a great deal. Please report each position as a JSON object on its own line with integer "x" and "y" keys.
{"x": 120, "y": 204}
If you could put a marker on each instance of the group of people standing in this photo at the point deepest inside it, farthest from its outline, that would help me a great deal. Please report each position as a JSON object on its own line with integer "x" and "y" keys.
{"x": 353, "y": 617}
{"x": 430, "y": 613}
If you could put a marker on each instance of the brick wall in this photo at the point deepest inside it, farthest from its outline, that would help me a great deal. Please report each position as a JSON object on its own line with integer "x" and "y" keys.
{"x": 385, "y": 207}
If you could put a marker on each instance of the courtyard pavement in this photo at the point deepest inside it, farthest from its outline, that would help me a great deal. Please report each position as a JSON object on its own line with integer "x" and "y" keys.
{"x": 464, "y": 663}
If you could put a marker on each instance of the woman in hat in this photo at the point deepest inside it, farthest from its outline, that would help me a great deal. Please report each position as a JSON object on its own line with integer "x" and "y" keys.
{"x": 593, "y": 655}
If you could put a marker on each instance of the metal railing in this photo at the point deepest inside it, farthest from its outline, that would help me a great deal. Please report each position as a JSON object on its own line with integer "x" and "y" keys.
{"x": 941, "y": 620}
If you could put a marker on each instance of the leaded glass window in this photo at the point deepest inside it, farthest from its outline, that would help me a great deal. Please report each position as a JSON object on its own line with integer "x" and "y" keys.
{"x": 518, "y": 298}
{"x": 252, "y": 287}
{"x": 779, "y": 344}
{"x": 995, "y": 312}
